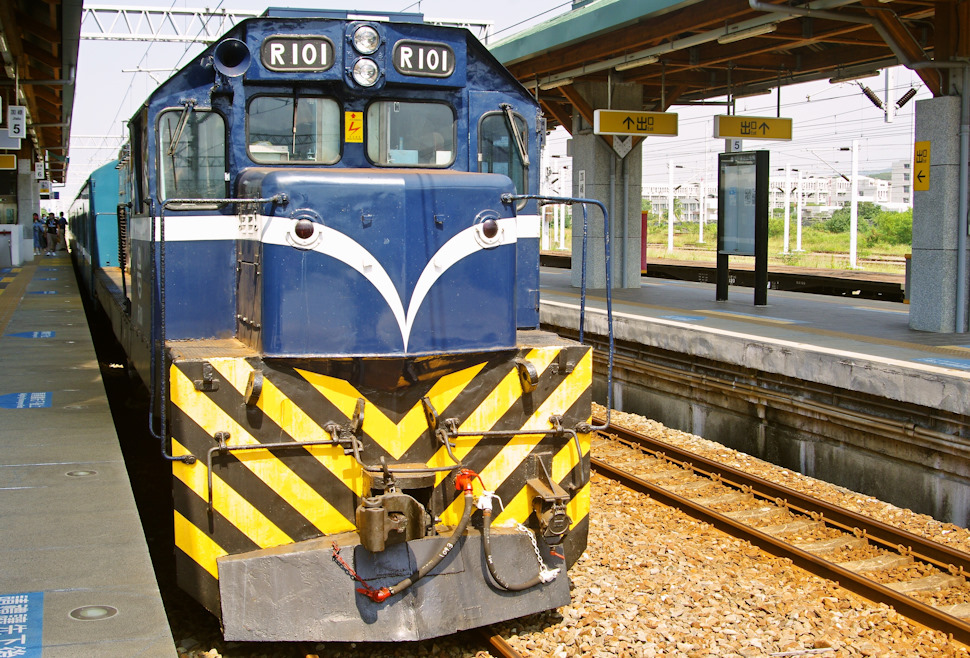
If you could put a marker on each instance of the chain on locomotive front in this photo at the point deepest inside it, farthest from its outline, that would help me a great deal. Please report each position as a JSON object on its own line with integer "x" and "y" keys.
{"x": 371, "y": 439}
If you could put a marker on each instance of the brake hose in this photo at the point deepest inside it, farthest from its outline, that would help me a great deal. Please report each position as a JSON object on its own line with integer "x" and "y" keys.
{"x": 544, "y": 575}
{"x": 464, "y": 482}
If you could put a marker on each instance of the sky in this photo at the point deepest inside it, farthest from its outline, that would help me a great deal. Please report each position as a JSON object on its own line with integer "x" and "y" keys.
{"x": 826, "y": 116}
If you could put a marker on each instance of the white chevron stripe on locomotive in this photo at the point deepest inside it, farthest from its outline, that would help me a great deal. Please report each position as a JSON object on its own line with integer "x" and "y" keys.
{"x": 333, "y": 243}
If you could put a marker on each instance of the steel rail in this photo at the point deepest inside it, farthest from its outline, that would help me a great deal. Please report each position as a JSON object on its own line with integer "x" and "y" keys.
{"x": 498, "y": 643}
{"x": 930, "y": 617}
{"x": 925, "y": 549}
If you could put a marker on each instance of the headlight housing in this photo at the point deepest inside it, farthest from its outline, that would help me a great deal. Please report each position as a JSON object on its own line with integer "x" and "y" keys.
{"x": 366, "y": 72}
{"x": 366, "y": 40}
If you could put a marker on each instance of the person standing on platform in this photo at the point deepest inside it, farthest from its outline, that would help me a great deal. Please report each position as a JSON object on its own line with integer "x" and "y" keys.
{"x": 39, "y": 238}
{"x": 50, "y": 226}
{"x": 62, "y": 230}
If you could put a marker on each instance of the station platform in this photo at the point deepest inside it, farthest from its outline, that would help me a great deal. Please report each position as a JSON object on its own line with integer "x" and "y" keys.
{"x": 837, "y": 388}
{"x": 76, "y": 577}
{"x": 865, "y": 345}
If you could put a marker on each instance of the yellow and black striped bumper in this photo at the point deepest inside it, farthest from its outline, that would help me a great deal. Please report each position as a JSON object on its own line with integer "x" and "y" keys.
{"x": 260, "y": 498}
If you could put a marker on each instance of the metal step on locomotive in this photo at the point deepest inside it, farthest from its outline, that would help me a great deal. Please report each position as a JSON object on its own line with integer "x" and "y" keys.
{"x": 328, "y": 276}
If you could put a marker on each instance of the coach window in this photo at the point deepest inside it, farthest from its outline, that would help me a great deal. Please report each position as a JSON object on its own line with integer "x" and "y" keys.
{"x": 498, "y": 151}
{"x": 410, "y": 134}
{"x": 192, "y": 154}
{"x": 293, "y": 129}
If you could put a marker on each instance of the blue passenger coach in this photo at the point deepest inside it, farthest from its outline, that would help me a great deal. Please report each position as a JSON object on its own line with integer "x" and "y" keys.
{"x": 93, "y": 222}
{"x": 331, "y": 288}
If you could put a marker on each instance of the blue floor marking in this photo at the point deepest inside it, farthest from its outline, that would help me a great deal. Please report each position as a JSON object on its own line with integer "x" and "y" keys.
{"x": 25, "y": 401}
{"x": 956, "y": 364}
{"x": 22, "y": 625}
{"x": 684, "y": 318}
{"x": 33, "y": 334}
{"x": 42, "y": 292}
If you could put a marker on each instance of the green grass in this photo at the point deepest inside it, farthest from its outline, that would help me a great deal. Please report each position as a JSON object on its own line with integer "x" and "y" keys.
{"x": 821, "y": 249}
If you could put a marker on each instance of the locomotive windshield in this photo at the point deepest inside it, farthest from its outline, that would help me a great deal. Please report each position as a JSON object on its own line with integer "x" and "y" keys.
{"x": 499, "y": 151}
{"x": 294, "y": 129}
{"x": 192, "y": 154}
{"x": 416, "y": 134}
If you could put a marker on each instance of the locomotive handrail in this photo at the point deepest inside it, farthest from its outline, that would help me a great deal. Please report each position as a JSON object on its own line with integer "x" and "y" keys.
{"x": 280, "y": 198}
{"x": 158, "y": 342}
{"x": 509, "y": 198}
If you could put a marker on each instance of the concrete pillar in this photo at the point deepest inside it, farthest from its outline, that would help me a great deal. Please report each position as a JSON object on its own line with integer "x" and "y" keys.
{"x": 598, "y": 165}
{"x": 28, "y": 202}
{"x": 933, "y": 278}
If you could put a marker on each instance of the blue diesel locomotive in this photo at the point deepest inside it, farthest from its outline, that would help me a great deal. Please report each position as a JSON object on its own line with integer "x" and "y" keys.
{"x": 329, "y": 280}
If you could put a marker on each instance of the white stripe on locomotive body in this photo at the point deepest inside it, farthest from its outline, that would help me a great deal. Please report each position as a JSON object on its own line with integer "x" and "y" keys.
{"x": 186, "y": 228}
{"x": 333, "y": 243}
{"x": 528, "y": 226}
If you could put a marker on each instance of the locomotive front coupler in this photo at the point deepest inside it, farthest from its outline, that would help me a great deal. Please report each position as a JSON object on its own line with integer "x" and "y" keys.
{"x": 549, "y": 505}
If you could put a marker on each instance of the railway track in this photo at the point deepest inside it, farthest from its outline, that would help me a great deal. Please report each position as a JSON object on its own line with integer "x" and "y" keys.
{"x": 919, "y": 578}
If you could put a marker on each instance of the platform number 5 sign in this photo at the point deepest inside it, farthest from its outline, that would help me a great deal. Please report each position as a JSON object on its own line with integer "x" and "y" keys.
{"x": 16, "y": 121}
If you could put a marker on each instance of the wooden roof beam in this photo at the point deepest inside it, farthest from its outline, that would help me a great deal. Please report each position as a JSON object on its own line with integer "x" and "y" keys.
{"x": 585, "y": 109}
{"x": 910, "y": 47}
{"x": 559, "y": 113}
{"x": 37, "y": 28}
{"x": 41, "y": 55}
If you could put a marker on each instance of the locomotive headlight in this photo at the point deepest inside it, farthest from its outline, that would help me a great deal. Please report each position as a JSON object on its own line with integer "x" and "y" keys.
{"x": 366, "y": 72}
{"x": 366, "y": 40}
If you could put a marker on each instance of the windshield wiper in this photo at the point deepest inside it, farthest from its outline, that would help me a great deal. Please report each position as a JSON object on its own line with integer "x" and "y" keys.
{"x": 519, "y": 142}
{"x": 184, "y": 119}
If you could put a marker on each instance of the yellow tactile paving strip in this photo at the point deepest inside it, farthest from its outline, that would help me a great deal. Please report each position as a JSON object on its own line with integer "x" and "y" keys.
{"x": 13, "y": 292}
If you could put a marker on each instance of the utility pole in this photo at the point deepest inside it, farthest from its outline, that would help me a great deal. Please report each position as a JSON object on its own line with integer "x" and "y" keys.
{"x": 670, "y": 206}
{"x": 854, "y": 206}
{"x": 702, "y": 205}
{"x": 798, "y": 215}
{"x": 787, "y": 206}
{"x": 890, "y": 105}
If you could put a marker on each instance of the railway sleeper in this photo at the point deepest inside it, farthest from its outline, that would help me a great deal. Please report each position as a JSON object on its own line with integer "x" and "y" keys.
{"x": 689, "y": 487}
{"x": 878, "y": 563}
{"x": 958, "y": 610}
{"x": 725, "y": 499}
{"x": 756, "y": 514}
{"x": 932, "y": 583}
{"x": 831, "y": 545}
{"x": 671, "y": 473}
{"x": 782, "y": 529}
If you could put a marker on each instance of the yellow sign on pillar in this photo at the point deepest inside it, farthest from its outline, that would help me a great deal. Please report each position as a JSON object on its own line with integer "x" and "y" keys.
{"x": 921, "y": 166}
{"x": 623, "y": 122}
{"x": 354, "y": 127}
{"x": 734, "y": 126}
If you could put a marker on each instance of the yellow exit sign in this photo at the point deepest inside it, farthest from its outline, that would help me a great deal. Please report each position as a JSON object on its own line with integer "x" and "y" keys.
{"x": 8, "y": 161}
{"x": 623, "y": 122}
{"x": 733, "y": 126}
{"x": 921, "y": 166}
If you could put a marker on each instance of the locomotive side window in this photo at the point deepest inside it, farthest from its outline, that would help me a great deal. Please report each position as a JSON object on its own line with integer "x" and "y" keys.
{"x": 498, "y": 153}
{"x": 410, "y": 134}
{"x": 294, "y": 129}
{"x": 192, "y": 154}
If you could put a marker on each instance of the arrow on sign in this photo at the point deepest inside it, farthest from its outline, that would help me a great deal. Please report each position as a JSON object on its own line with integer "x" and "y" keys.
{"x": 919, "y": 176}
{"x": 763, "y": 127}
{"x": 628, "y": 122}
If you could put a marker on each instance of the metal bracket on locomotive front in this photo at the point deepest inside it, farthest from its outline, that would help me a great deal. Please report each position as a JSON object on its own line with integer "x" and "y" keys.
{"x": 223, "y": 448}
{"x": 541, "y": 199}
{"x": 158, "y": 342}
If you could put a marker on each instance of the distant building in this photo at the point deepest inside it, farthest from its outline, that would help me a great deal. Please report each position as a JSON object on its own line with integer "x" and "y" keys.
{"x": 902, "y": 184}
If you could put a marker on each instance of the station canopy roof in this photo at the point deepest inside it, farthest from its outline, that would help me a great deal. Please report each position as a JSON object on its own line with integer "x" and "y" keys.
{"x": 694, "y": 50}
{"x": 38, "y": 49}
